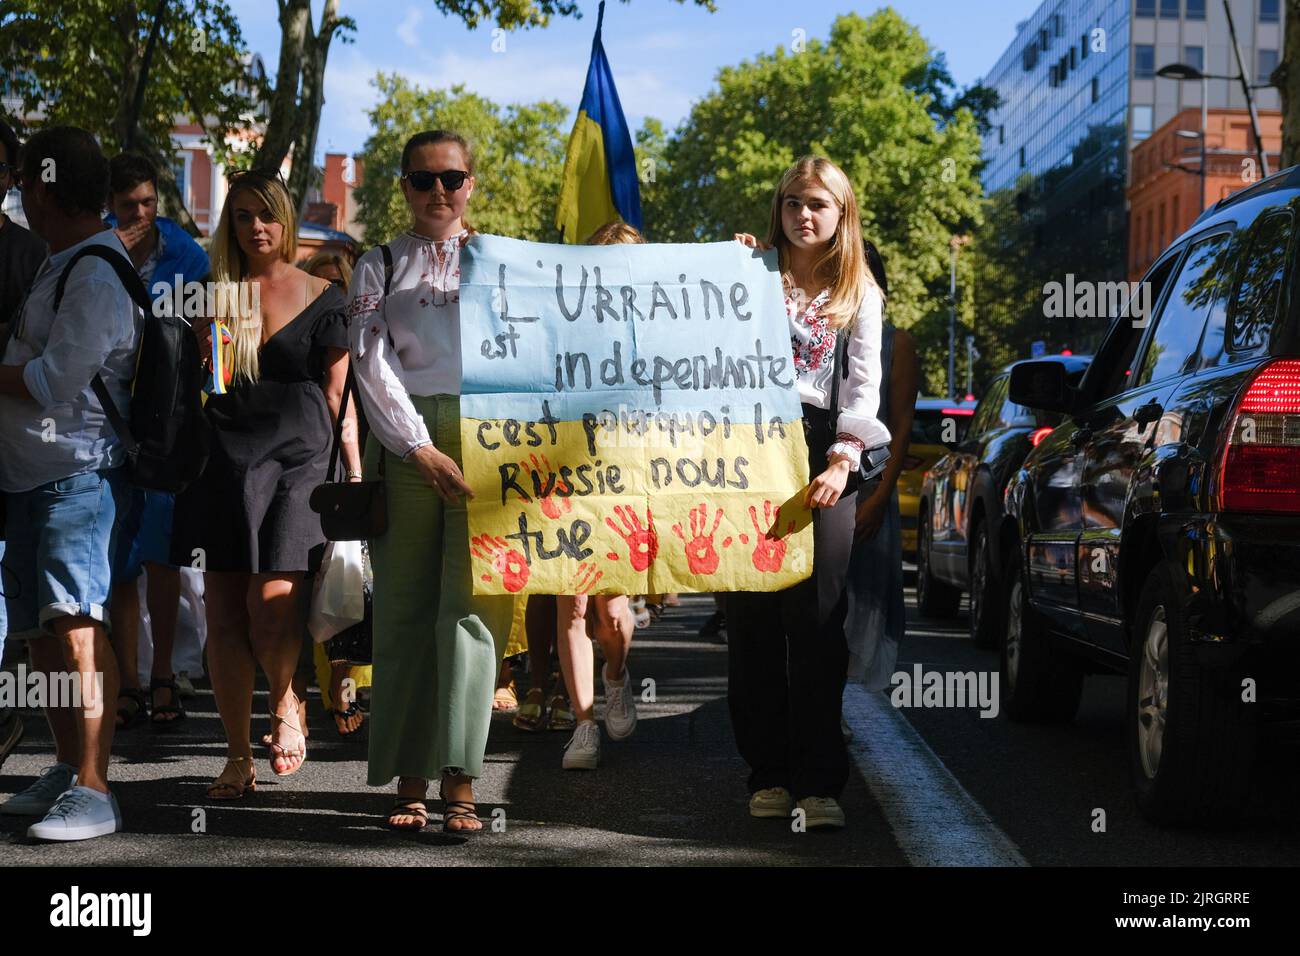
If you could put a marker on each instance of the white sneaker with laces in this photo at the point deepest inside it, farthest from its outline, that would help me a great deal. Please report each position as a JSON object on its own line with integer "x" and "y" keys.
{"x": 620, "y": 706}
{"x": 582, "y": 752}
{"x": 79, "y": 814}
{"x": 37, "y": 799}
{"x": 821, "y": 812}
{"x": 770, "y": 802}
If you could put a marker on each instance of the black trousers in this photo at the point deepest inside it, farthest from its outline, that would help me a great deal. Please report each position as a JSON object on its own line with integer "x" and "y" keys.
{"x": 787, "y": 662}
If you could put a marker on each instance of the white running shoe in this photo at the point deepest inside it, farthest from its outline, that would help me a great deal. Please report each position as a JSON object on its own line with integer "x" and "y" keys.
{"x": 771, "y": 802}
{"x": 37, "y": 799}
{"x": 620, "y": 706}
{"x": 821, "y": 812}
{"x": 79, "y": 814}
{"x": 582, "y": 752}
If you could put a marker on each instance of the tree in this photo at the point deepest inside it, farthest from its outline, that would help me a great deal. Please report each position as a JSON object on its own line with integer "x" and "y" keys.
{"x": 513, "y": 14}
{"x": 1287, "y": 79}
{"x": 518, "y": 152}
{"x": 856, "y": 100}
{"x": 125, "y": 71}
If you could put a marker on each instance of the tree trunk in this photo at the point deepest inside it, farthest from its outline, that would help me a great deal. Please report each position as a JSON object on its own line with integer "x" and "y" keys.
{"x": 1287, "y": 78}
{"x": 125, "y": 24}
{"x": 315, "y": 54}
{"x": 137, "y": 100}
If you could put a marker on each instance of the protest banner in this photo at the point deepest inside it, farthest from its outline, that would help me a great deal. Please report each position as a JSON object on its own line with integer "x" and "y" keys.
{"x": 630, "y": 420}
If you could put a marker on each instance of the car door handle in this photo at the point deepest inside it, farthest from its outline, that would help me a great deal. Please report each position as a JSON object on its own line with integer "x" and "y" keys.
{"x": 1148, "y": 413}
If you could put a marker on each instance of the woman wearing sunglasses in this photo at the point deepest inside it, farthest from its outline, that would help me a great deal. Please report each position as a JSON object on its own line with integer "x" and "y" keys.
{"x": 437, "y": 647}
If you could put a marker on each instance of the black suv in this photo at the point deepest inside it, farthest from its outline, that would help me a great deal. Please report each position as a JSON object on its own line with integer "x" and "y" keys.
{"x": 1156, "y": 531}
{"x": 961, "y": 499}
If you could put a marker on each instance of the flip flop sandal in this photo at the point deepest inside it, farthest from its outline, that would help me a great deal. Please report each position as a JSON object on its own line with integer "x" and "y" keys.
{"x": 352, "y": 711}
{"x": 505, "y": 695}
{"x": 531, "y": 712}
{"x": 460, "y": 810}
{"x": 172, "y": 708}
{"x": 131, "y": 716}
{"x": 408, "y": 808}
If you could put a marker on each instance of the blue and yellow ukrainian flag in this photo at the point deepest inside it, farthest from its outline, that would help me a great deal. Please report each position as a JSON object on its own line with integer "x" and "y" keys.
{"x": 600, "y": 179}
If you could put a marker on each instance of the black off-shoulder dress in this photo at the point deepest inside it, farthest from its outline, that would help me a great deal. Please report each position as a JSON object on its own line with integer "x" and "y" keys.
{"x": 270, "y": 447}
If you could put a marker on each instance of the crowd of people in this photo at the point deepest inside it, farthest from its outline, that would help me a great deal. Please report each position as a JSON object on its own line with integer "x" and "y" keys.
{"x": 242, "y": 542}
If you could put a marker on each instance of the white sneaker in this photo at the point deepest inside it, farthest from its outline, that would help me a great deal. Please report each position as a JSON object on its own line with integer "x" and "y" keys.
{"x": 79, "y": 814}
{"x": 37, "y": 799}
{"x": 620, "y": 707}
{"x": 821, "y": 812}
{"x": 582, "y": 752}
{"x": 771, "y": 802}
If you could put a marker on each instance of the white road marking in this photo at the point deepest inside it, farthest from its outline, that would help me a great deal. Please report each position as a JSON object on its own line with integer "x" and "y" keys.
{"x": 935, "y": 821}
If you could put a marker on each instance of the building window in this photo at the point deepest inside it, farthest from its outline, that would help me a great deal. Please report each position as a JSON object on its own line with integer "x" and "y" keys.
{"x": 1083, "y": 46}
{"x": 1044, "y": 40}
{"x": 1195, "y": 10}
{"x": 1074, "y": 58}
{"x": 1058, "y": 25}
{"x": 1096, "y": 89}
{"x": 1002, "y": 135}
{"x": 1031, "y": 57}
{"x": 1268, "y": 11}
{"x": 179, "y": 168}
{"x": 1168, "y": 9}
{"x": 1022, "y": 157}
{"x": 1146, "y": 8}
{"x": 1194, "y": 56}
{"x": 1141, "y": 122}
{"x": 1267, "y": 63}
{"x": 1144, "y": 61}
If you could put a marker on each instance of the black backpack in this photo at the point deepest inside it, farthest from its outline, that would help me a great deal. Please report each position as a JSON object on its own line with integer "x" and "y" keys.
{"x": 166, "y": 437}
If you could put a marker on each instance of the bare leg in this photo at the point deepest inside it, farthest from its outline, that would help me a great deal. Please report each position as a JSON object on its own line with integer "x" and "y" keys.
{"x": 458, "y": 787}
{"x": 575, "y": 653}
{"x": 47, "y": 658}
{"x": 124, "y": 612}
{"x": 614, "y": 629}
{"x": 231, "y": 664}
{"x": 84, "y": 645}
{"x": 164, "y": 596}
{"x": 276, "y": 634}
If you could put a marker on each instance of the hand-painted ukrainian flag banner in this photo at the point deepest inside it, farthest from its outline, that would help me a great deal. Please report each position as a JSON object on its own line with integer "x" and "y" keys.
{"x": 630, "y": 420}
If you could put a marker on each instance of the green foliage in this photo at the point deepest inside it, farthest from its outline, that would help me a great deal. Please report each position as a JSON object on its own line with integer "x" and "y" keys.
{"x": 518, "y": 155}
{"x": 514, "y": 14}
{"x": 855, "y": 99}
{"x": 79, "y": 62}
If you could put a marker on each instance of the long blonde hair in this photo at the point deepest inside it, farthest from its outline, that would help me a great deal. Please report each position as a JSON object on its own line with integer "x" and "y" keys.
{"x": 843, "y": 259}
{"x": 228, "y": 265}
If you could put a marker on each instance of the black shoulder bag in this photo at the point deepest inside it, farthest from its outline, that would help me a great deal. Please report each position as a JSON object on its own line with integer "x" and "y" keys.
{"x": 353, "y": 511}
{"x": 873, "y": 459}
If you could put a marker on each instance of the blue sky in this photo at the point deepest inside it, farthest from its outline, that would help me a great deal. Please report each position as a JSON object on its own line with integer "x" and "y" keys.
{"x": 664, "y": 54}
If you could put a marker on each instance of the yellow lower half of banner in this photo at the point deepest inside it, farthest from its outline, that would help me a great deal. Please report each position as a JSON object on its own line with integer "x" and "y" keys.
{"x": 723, "y": 512}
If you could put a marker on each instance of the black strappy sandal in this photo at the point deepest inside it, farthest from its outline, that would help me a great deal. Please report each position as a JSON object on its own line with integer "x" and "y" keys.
{"x": 408, "y": 808}
{"x": 460, "y": 810}
{"x": 173, "y": 708}
{"x": 127, "y": 715}
{"x": 352, "y": 711}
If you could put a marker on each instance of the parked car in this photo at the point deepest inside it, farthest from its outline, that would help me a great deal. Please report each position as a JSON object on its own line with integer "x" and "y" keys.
{"x": 961, "y": 500}
{"x": 937, "y": 424}
{"x": 1156, "y": 531}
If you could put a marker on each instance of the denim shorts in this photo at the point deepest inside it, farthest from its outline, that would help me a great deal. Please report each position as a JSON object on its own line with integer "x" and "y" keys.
{"x": 58, "y": 549}
{"x": 144, "y": 533}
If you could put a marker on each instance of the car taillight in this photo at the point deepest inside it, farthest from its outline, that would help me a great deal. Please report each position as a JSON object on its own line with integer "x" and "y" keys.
{"x": 1038, "y": 434}
{"x": 1260, "y": 470}
{"x": 911, "y": 462}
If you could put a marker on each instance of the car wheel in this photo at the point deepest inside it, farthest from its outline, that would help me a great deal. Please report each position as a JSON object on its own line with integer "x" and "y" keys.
{"x": 985, "y": 608}
{"x": 1039, "y": 683}
{"x": 1191, "y": 737}
{"x": 934, "y": 598}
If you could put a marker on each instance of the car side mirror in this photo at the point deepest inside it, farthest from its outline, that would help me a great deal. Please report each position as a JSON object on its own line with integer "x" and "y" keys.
{"x": 1043, "y": 385}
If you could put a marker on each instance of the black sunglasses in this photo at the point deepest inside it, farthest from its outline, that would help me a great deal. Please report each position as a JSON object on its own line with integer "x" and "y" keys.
{"x": 421, "y": 180}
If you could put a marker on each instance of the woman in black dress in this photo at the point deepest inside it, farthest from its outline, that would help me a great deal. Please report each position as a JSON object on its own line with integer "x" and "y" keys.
{"x": 246, "y": 522}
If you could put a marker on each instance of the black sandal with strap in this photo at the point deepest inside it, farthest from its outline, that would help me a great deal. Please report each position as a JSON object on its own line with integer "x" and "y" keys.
{"x": 413, "y": 807}
{"x": 128, "y": 715}
{"x": 174, "y": 707}
{"x": 460, "y": 810}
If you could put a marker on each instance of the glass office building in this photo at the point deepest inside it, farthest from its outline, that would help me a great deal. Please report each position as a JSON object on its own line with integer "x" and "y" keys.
{"x": 1078, "y": 90}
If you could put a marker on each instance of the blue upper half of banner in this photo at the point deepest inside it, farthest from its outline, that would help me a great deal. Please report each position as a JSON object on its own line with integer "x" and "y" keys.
{"x": 587, "y": 329}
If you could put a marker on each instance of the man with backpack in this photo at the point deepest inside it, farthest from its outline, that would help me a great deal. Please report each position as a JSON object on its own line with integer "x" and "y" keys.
{"x": 61, "y": 463}
{"x": 160, "y": 251}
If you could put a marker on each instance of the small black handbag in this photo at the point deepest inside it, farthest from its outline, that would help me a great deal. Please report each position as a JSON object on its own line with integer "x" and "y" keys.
{"x": 821, "y": 427}
{"x": 350, "y": 510}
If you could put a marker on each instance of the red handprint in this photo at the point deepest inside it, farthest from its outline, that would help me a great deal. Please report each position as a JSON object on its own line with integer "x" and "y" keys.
{"x": 701, "y": 555}
{"x": 642, "y": 542}
{"x": 505, "y": 560}
{"x": 551, "y": 507}
{"x": 587, "y": 577}
{"x": 769, "y": 548}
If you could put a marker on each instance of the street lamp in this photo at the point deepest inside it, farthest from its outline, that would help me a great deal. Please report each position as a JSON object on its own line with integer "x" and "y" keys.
{"x": 954, "y": 244}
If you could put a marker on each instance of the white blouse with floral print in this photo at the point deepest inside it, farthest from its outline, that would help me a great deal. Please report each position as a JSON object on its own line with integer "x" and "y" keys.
{"x": 407, "y": 343}
{"x": 813, "y": 344}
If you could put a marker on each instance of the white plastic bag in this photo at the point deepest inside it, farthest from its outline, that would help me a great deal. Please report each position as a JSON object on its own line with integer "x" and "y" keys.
{"x": 338, "y": 598}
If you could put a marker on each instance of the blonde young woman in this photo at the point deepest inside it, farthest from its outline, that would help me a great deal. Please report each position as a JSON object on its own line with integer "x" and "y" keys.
{"x": 247, "y": 517}
{"x": 437, "y": 647}
{"x": 787, "y": 653}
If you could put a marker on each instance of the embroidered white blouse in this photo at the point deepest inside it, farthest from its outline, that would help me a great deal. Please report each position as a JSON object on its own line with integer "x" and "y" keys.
{"x": 408, "y": 342}
{"x": 813, "y": 344}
